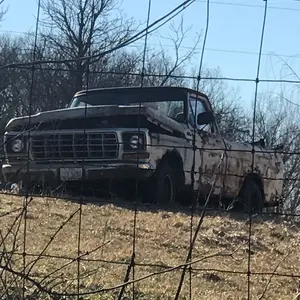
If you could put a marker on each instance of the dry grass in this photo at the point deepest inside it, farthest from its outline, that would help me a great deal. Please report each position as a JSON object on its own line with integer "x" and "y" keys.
{"x": 162, "y": 238}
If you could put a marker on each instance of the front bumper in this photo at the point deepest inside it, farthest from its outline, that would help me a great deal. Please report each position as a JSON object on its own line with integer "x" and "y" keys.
{"x": 88, "y": 172}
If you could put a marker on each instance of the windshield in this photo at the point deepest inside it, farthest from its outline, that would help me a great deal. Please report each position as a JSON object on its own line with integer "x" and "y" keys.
{"x": 168, "y": 108}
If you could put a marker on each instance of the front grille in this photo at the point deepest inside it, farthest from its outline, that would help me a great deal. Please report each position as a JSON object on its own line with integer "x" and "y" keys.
{"x": 75, "y": 146}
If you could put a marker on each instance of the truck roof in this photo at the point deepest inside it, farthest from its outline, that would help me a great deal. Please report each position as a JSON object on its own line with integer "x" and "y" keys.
{"x": 171, "y": 91}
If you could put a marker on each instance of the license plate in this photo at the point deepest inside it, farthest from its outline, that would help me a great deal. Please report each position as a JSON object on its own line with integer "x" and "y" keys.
{"x": 69, "y": 174}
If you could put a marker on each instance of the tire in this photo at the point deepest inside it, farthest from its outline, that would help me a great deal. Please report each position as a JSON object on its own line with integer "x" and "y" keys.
{"x": 168, "y": 181}
{"x": 251, "y": 197}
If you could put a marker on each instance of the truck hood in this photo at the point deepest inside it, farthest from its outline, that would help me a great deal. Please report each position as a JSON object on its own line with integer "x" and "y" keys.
{"x": 151, "y": 114}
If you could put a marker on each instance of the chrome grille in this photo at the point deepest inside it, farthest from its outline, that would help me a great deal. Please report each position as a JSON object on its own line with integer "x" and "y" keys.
{"x": 75, "y": 146}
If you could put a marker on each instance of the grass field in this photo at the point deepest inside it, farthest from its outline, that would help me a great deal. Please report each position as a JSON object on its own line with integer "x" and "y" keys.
{"x": 162, "y": 241}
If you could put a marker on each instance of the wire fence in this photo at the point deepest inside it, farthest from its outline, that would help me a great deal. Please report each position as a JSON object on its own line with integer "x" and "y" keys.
{"x": 60, "y": 240}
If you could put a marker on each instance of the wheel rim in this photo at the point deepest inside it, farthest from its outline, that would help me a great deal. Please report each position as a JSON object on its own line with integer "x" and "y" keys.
{"x": 168, "y": 189}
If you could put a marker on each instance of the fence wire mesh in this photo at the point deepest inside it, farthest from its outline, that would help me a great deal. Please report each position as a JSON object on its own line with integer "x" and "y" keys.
{"x": 60, "y": 240}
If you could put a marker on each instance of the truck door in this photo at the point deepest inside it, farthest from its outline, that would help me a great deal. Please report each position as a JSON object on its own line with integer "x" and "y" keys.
{"x": 210, "y": 153}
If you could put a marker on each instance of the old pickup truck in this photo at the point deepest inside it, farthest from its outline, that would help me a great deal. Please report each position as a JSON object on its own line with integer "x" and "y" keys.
{"x": 166, "y": 138}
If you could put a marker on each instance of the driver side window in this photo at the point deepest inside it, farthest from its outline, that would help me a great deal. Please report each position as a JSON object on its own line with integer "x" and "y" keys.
{"x": 196, "y": 107}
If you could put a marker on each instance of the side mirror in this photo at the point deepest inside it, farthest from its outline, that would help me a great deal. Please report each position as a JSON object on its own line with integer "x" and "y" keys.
{"x": 67, "y": 105}
{"x": 205, "y": 118}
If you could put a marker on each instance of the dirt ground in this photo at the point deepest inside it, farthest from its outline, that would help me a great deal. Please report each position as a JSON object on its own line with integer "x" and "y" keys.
{"x": 57, "y": 232}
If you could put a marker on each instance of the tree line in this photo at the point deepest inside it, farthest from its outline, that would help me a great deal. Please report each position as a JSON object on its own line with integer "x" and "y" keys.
{"x": 76, "y": 28}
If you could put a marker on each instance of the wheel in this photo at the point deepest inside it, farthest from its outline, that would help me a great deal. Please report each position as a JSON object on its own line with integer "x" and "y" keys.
{"x": 251, "y": 198}
{"x": 168, "y": 181}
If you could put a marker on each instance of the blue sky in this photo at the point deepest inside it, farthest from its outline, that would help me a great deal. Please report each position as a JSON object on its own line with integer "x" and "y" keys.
{"x": 233, "y": 39}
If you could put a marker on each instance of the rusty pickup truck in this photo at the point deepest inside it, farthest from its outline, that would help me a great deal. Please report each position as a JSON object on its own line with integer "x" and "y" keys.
{"x": 165, "y": 137}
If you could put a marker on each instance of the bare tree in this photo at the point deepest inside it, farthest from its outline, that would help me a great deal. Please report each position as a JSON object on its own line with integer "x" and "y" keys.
{"x": 77, "y": 28}
{"x": 125, "y": 68}
{"x": 277, "y": 122}
{"x": 10, "y": 51}
{"x": 2, "y": 10}
{"x": 232, "y": 119}
{"x": 177, "y": 66}
{"x": 49, "y": 84}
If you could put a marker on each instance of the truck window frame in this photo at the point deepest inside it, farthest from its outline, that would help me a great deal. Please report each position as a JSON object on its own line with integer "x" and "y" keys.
{"x": 211, "y": 127}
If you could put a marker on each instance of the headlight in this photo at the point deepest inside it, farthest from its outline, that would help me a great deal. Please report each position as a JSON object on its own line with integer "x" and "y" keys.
{"x": 134, "y": 141}
{"x": 17, "y": 145}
